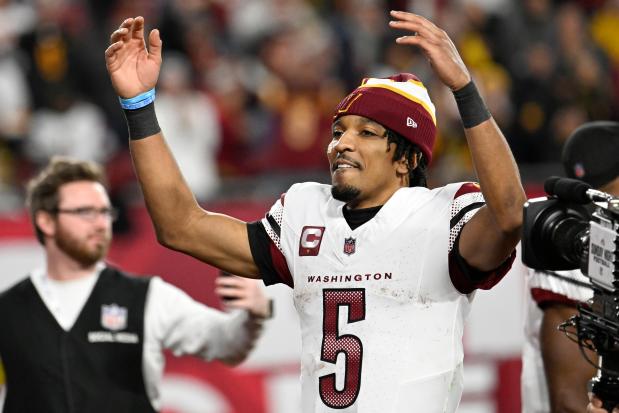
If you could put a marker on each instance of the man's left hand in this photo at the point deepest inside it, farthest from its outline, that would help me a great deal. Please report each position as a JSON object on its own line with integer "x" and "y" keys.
{"x": 243, "y": 293}
{"x": 436, "y": 46}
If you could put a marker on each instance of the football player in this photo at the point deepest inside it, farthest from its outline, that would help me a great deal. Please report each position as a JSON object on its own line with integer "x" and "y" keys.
{"x": 382, "y": 268}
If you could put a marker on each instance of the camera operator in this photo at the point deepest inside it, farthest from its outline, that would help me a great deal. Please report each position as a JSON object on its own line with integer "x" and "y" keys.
{"x": 555, "y": 373}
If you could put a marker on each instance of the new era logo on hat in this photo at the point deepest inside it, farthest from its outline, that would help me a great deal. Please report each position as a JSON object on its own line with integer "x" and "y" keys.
{"x": 579, "y": 170}
{"x": 411, "y": 123}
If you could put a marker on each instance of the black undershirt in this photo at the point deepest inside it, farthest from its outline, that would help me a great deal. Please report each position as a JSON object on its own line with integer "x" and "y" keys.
{"x": 357, "y": 217}
{"x": 259, "y": 242}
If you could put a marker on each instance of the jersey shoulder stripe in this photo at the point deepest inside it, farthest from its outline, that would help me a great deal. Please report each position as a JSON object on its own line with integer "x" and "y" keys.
{"x": 465, "y": 203}
{"x": 572, "y": 285}
{"x": 542, "y": 297}
{"x": 274, "y": 224}
{"x": 272, "y": 221}
{"x": 296, "y": 198}
{"x": 281, "y": 267}
{"x": 458, "y": 217}
{"x": 467, "y": 188}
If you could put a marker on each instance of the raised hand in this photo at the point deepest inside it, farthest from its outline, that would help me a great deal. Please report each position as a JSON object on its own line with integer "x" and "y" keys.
{"x": 436, "y": 45}
{"x": 133, "y": 68}
{"x": 243, "y": 293}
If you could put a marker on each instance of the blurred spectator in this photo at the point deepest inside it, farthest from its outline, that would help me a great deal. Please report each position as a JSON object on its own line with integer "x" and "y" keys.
{"x": 583, "y": 69}
{"x": 14, "y": 99}
{"x": 535, "y": 103}
{"x": 544, "y": 66}
{"x": 191, "y": 123}
{"x": 14, "y": 116}
{"x": 253, "y": 20}
{"x": 242, "y": 119}
{"x": 605, "y": 32}
{"x": 71, "y": 127}
{"x": 363, "y": 31}
{"x": 605, "y": 29}
{"x": 15, "y": 19}
{"x": 300, "y": 92}
{"x": 530, "y": 22}
{"x": 54, "y": 63}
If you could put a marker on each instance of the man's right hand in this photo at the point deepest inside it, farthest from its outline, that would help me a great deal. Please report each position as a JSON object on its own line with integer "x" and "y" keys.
{"x": 133, "y": 68}
{"x": 595, "y": 405}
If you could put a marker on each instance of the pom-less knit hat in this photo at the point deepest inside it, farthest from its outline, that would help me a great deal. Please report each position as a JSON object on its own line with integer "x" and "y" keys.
{"x": 400, "y": 103}
{"x": 591, "y": 153}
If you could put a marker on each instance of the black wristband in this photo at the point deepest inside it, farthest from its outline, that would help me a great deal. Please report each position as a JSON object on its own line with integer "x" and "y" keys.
{"x": 471, "y": 106}
{"x": 142, "y": 122}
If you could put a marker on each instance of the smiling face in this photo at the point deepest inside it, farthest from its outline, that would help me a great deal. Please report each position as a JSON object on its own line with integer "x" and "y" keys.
{"x": 363, "y": 173}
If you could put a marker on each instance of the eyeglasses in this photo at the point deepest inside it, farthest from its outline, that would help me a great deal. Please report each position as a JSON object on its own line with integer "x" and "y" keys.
{"x": 89, "y": 213}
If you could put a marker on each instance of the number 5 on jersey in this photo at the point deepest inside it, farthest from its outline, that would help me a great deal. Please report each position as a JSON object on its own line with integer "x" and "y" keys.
{"x": 333, "y": 344}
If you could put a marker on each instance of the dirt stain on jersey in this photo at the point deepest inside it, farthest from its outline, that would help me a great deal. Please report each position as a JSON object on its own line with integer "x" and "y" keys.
{"x": 425, "y": 301}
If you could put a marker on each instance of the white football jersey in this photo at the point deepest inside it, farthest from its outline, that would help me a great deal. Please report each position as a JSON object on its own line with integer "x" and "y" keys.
{"x": 561, "y": 286}
{"x": 381, "y": 320}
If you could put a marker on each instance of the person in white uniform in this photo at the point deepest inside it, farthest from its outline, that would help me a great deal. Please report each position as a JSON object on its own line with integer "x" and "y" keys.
{"x": 82, "y": 336}
{"x": 550, "y": 360}
{"x": 383, "y": 269}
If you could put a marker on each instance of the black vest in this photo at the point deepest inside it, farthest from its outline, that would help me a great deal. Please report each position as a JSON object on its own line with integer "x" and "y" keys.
{"x": 96, "y": 367}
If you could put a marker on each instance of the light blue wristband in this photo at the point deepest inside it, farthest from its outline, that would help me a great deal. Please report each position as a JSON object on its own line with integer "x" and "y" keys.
{"x": 138, "y": 101}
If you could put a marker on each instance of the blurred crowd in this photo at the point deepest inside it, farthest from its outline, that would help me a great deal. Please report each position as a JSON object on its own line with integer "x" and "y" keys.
{"x": 248, "y": 87}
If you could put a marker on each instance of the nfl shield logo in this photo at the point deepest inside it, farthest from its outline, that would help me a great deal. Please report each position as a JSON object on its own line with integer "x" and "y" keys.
{"x": 349, "y": 246}
{"x": 113, "y": 317}
{"x": 579, "y": 170}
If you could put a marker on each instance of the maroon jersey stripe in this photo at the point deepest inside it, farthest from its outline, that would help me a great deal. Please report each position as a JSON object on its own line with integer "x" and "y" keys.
{"x": 467, "y": 188}
{"x": 465, "y": 284}
{"x": 542, "y": 296}
{"x": 279, "y": 262}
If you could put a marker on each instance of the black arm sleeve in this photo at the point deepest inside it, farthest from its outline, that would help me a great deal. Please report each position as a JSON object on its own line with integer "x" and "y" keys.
{"x": 467, "y": 278}
{"x": 260, "y": 245}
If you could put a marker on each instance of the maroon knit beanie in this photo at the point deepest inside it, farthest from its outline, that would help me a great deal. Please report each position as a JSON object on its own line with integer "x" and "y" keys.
{"x": 400, "y": 103}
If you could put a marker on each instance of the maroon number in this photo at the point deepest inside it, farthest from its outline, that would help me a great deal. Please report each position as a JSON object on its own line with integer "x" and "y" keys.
{"x": 333, "y": 344}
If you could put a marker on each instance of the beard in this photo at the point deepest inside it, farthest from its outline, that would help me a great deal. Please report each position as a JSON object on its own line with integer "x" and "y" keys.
{"x": 345, "y": 193}
{"x": 79, "y": 250}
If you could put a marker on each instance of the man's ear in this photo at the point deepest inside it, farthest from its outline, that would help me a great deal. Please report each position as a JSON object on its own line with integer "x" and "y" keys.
{"x": 45, "y": 222}
{"x": 404, "y": 166}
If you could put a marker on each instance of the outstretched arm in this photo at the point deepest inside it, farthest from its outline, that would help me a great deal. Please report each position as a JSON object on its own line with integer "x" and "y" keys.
{"x": 492, "y": 234}
{"x": 179, "y": 221}
{"x": 174, "y": 321}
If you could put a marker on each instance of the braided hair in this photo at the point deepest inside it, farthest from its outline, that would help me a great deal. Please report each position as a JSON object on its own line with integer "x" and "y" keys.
{"x": 405, "y": 148}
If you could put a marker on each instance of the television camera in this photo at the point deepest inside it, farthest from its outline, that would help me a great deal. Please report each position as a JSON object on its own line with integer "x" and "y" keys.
{"x": 578, "y": 227}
